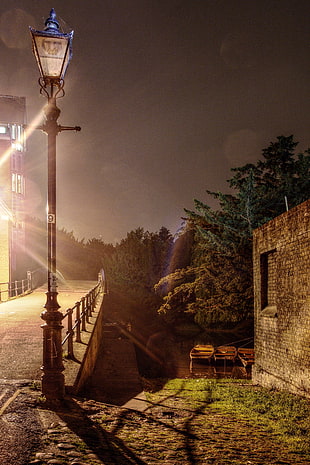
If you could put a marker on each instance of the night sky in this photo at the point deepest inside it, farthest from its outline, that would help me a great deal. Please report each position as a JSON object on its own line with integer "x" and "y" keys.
{"x": 170, "y": 94}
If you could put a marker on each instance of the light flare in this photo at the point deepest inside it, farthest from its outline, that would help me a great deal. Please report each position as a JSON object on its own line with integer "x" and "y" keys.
{"x": 29, "y": 129}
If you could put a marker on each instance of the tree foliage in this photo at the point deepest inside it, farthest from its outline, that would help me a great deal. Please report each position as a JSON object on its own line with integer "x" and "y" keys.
{"x": 217, "y": 287}
{"x": 138, "y": 262}
{"x": 132, "y": 266}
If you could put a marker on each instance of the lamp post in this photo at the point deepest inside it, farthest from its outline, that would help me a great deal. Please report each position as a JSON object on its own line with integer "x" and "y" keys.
{"x": 53, "y": 51}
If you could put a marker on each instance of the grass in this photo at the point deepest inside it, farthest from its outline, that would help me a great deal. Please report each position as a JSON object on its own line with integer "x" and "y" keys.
{"x": 285, "y": 416}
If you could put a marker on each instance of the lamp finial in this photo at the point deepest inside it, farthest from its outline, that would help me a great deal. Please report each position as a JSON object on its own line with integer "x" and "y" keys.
{"x": 51, "y": 24}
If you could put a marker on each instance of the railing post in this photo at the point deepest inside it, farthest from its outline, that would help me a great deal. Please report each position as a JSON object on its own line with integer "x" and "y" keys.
{"x": 87, "y": 308}
{"x": 91, "y": 303}
{"x": 83, "y": 314}
{"x": 88, "y": 304}
{"x": 70, "y": 333}
{"x": 78, "y": 322}
{"x": 29, "y": 279}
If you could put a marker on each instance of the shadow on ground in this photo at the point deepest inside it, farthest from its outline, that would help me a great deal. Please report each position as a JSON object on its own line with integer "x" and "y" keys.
{"x": 123, "y": 436}
{"x": 171, "y": 430}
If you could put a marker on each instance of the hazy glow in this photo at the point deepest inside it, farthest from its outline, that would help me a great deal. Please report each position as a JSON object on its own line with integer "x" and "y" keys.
{"x": 6, "y": 155}
{"x": 37, "y": 258}
{"x": 28, "y": 131}
{"x": 7, "y": 214}
{"x": 34, "y": 124}
{"x": 184, "y": 92}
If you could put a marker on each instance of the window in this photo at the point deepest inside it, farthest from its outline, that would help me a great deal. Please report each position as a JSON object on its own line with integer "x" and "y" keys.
{"x": 268, "y": 279}
{"x": 17, "y": 137}
{"x": 18, "y": 183}
{"x": 4, "y": 132}
{"x": 13, "y": 182}
{"x": 19, "y": 186}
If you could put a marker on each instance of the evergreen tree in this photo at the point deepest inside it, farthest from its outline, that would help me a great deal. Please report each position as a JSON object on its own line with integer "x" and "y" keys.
{"x": 217, "y": 287}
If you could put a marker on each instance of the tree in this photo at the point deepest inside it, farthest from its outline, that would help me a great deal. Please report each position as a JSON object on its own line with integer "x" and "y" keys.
{"x": 217, "y": 287}
{"x": 136, "y": 264}
{"x": 139, "y": 260}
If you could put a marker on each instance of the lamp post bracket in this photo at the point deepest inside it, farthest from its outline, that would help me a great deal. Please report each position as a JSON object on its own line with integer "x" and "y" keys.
{"x": 70, "y": 128}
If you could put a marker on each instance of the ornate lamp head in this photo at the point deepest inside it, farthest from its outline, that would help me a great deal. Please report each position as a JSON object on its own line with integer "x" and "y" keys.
{"x": 53, "y": 51}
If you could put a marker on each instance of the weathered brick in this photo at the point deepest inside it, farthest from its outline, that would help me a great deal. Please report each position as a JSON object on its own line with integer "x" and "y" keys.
{"x": 281, "y": 258}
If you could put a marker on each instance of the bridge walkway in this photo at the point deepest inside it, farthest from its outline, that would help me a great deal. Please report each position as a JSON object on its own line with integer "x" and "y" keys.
{"x": 21, "y": 334}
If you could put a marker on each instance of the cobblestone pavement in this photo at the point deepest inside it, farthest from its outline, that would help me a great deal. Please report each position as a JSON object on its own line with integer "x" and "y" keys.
{"x": 168, "y": 432}
{"x": 20, "y": 426}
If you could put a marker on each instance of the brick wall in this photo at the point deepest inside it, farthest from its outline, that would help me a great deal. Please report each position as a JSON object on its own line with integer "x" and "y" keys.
{"x": 281, "y": 255}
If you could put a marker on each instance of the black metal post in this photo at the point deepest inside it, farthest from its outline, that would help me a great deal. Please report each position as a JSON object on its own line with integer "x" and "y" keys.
{"x": 53, "y": 383}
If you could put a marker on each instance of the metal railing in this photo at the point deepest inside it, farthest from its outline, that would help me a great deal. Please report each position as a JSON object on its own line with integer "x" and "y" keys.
{"x": 79, "y": 315}
{"x": 16, "y": 288}
{"x": 12, "y": 289}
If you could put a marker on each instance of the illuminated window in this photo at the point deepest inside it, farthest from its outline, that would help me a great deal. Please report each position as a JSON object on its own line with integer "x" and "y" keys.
{"x": 17, "y": 146}
{"x": 17, "y": 136}
{"x": 18, "y": 183}
{"x": 14, "y": 182}
{"x": 13, "y": 131}
{"x": 19, "y": 189}
{"x": 4, "y": 132}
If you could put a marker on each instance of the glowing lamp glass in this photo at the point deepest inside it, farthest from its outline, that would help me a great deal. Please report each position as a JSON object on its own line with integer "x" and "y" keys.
{"x": 52, "y": 52}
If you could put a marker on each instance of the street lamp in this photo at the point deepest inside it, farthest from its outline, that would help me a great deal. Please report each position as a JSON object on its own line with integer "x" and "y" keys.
{"x": 52, "y": 50}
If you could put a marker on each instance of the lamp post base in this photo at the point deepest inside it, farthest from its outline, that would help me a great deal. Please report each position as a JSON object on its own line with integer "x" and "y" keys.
{"x": 53, "y": 386}
{"x": 53, "y": 380}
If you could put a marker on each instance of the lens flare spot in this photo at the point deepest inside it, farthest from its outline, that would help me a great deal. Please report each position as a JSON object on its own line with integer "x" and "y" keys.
{"x": 14, "y": 28}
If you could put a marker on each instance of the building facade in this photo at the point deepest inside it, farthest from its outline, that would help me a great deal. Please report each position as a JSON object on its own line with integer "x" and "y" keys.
{"x": 281, "y": 254}
{"x": 12, "y": 187}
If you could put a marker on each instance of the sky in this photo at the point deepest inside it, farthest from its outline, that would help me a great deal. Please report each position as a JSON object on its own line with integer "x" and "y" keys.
{"x": 170, "y": 95}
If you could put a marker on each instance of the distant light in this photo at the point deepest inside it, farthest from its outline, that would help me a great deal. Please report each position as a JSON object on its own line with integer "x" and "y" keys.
{"x": 5, "y": 217}
{"x": 3, "y": 129}
{"x": 17, "y": 146}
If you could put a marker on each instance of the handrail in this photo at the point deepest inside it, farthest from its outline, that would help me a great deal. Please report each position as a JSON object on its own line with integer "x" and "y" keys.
{"x": 20, "y": 287}
{"x": 83, "y": 311}
{"x": 15, "y": 288}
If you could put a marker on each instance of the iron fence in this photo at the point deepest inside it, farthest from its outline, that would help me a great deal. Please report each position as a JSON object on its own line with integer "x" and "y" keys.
{"x": 79, "y": 315}
{"x": 12, "y": 289}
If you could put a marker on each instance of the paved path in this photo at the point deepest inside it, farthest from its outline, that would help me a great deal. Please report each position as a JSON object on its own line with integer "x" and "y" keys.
{"x": 21, "y": 332}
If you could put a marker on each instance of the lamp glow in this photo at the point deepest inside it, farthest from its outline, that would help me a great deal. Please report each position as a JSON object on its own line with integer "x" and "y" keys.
{"x": 52, "y": 50}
